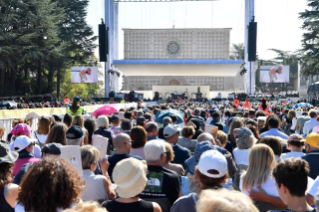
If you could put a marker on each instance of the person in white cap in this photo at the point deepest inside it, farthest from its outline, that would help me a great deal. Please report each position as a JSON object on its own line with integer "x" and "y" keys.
{"x": 162, "y": 183}
{"x": 171, "y": 135}
{"x": 211, "y": 171}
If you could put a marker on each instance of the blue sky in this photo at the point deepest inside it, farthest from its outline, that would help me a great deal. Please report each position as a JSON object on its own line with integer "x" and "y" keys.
{"x": 278, "y": 23}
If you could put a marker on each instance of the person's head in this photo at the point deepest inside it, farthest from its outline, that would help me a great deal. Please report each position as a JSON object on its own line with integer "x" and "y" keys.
{"x": 167, "y": 120}
{"x": 130, "y": 177}
{"x": 141, "y": 121}
{"x": 90, "y": 156}
{"x": 122, "y": 143}
{"x": 245, "y": 138}
{"x": 273, "y": 70}
{"x": 211, "y": 170}
{"x": 216, "y": 115}
{"x": 174, "y": 118}
{"x": 115, "y": 120}
{"x": 155, "y": 152}
{"x": 251, "y": 113}
{"x": 24, "y": 143}
{"x": 75, "y": 104}
{"x": 171, "y": 133}
{"x": 292, "y": 114}
{"x": 87, "y": 206}
{"x": 274, "y": 143}
{"x": 279, "y": 69}
{"x": 138, "y": 136}
{"x": 273, "y": 122}
{"x": 74, "y": 136}
{"x": 261, "y": 122}
{"x": 206, "y": 137}
{"x": 312, "y": 142}
{"x": 126, "y": 124}
{"x": 50, "y": 177}
{"x": 78, "y": 121}
{"x": 151, "y": 129}
{"x": 7, "y": 160}
{"x": 44, "y": 125}
{"x": 291, "y": 177}
{"x": 128, "y": 115}
{"x": 89, "y": 125}
{"x": 295, "y": 142}
{"x": 21, "y": 129}
{"x": 224, "y": 200}
{"x": 170, "y": 153}
{"x": 102, "y": 122}
{"x": 67, "y": 120}
{"x": 57, "y": 134}
{"x": 197, "y": 111}
{"x": 52, "y": 149}
{"x": 236, "y": 123}
{"x": 261, "y": 163}
{"x": 313, "y": 114}
{"x": 222, "y": 137}
{"x": 188, "y": 132}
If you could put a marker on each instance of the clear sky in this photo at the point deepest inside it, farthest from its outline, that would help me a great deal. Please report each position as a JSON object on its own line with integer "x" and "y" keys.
{"x": 278, "y": 23}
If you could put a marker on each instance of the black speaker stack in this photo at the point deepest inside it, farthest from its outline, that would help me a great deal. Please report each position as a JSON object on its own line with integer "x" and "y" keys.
{"x": 103, "y": 42}
{"x": 252, "y": 40}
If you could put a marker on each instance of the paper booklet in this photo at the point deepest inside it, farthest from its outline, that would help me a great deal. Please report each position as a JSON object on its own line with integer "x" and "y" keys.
{"x": 73, "y": 154}
{"x": 101, "y": 144}
{"x": 210, "y": 128}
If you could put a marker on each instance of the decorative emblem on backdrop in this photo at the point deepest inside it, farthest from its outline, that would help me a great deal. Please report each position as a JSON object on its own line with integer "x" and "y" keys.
{"x": 173, "y": 48}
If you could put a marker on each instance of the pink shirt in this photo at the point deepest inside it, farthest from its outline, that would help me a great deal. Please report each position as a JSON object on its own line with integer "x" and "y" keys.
{"x": 20, "y": 162}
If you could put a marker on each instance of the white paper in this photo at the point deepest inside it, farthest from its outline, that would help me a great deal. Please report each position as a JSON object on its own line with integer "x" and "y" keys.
{"x": 72, "y": 154}
{"x": 32, "y": 115}
{"x": 209, "y": 128}
{"x": 101, "y": 144}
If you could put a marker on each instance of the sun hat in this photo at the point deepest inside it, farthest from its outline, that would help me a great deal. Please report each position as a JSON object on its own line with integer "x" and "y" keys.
{"x": 312, "y": 139}
{"x": 52, "y": 148}
{"x": 243, "y": 133}
{"x": 74, "y": 132}
{"x": 6, "y": 155}
{"x": 102, "y": 121}
{"x": 130, "y": 177}
{"x": 22, "y": 129}
{"x": 154, "y": 149}
{"x": 170, "y": 130}
{"x": 200, "y": 148}
{"x": 22, "y": 142}
{"x": 212, "y": 160}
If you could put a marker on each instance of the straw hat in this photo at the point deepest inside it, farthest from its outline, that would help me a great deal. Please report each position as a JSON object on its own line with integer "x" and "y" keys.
{"x": 130, "y": 177}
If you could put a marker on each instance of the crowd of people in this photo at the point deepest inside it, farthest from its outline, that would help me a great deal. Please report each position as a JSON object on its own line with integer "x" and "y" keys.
{"x": 197, "y": 157}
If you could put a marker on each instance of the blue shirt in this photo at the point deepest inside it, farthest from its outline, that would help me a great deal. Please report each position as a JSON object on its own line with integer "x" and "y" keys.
{"x": 274, "y": 132}
{"x": 181, "y": 154}
{"x": 149, "y": 138}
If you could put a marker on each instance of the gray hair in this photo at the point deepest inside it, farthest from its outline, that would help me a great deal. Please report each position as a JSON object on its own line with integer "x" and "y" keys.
{"x": 205, "y": 137}
{"x": 75, "y": 142}
{"x": 167, "y": 120}
{"x": 89, "y": 155}
{"x": 312, "y": 148}
{"x": 245, "y": 142}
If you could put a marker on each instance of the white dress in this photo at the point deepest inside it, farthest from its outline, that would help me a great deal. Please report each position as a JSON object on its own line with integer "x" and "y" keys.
{"x": 241, "y": 156}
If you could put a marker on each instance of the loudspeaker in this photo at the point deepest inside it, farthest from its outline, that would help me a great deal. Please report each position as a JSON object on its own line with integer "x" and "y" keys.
{"x": 103, "y": 42}
{"x": 252, "y": 41}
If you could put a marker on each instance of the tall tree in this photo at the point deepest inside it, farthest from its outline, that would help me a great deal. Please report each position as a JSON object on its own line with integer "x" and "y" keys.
{"x": 237, "y": 52}
{"x": 310, "y": 40}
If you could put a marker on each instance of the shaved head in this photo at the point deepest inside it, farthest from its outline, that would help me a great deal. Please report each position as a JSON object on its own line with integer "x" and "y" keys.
{"x": 205, "y": 137}
{"x": 120, "y": 140}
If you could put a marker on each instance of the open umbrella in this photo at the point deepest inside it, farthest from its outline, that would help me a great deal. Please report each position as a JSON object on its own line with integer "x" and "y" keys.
{"x": 302, "y": 104}
{"x": 104, "y": 110}
{"x": 163, "y": 113}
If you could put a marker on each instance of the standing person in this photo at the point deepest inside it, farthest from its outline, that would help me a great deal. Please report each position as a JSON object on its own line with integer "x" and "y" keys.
{"x": 116, "y": 127}
{"x": 169, "y": 158}
{"x": 301, "y": 122}
{"x": 79, "y": 121}
{"x": 273, "y": 125}
{"x": 309, "y": 125}
{"x": 50, "y": 177}
{"x": 245, "y": 140}
{"x": 171, "y": 135}
{"x": 130, "y": 177}
{"x": 66, "y": 99}
{"x": 8, "y": 191}
{"x": 103, "y": 130}
{"x": 264, "y": 107}
{"x": 152, "y": 131}
{"x": 295, "y": 144}
{"x": 67, "y": 120}
{"x": 186, "y": 140}
{"x": 43, "y": 130}
{"x": 233, "y": 129}
{"x": 75, "y": 108}
{"x": 89, "y": 125}
{"x": 291, "y": 177}
{"x": 139, "y": 139}
{"x": 166, "y": 121}
{"x": 57, "y": 134}
{"x": 97, "y": 187}
{"x": 290, "y": 123}
{"x": 312, "y": 156}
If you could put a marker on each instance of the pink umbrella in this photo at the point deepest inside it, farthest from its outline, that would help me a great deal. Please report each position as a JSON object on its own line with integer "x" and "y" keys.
{"x": 104, "y": 110}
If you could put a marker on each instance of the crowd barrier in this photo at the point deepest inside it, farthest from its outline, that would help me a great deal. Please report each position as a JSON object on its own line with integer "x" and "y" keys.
{"x": 7, "y": 116}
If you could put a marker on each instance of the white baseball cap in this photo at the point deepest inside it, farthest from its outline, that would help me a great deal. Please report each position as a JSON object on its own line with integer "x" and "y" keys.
{"x": 154, "y": 149}
{"x": 212, "y": 160}
{"x": 171, "y": 130}
{"x": 22, "y": 142}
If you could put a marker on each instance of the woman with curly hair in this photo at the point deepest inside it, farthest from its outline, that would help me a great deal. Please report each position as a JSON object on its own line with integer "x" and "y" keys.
{"x": 50, "y": 185}
{"x": 8, "y": 191}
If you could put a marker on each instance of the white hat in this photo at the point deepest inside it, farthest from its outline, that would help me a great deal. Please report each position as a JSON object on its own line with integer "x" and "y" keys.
{"x": 212, "y": 160}
{"x": 154, "y": 149}
{"x": 170, "y": 130}
{"x": 22, "y": 142}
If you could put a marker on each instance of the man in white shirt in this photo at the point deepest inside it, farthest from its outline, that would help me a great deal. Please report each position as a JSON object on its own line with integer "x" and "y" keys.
{"x": 309, "y": 125}
{"x": 283, "y": 76}
{"x": 272, "y": 77}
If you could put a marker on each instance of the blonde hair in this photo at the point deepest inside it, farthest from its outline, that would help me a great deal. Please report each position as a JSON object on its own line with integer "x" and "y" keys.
{"x": 78, "y": 120}
{"x": 260, "y": 123}
{"x": 87, "y": 206}
{"x": 89, "y": 155}
{"x": 170, "y": 154}
{"x": 102, "y": 121}
{"x": 222, "y": 137}
{"x": 261, "y": 162}
{"x": 223, "y": 200}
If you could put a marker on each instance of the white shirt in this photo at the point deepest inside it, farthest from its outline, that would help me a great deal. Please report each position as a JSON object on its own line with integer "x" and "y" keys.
{"x": 309, "y": 125}
{"x": 241, "y": 156}
{"x": 294, "y": 124}
{"x": 312, "y": 190}
{"x": 94, "y": 188}
{"x": 266, "y": 78}
{"x": 291, "y": 155}
{"x": 269, "y": 186}
{"x": 40, "y": 137}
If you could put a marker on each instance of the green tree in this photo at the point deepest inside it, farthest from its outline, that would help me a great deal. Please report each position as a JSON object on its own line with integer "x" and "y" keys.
{"x": 237, "y": 52}
{"x": 310, "y": 41}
